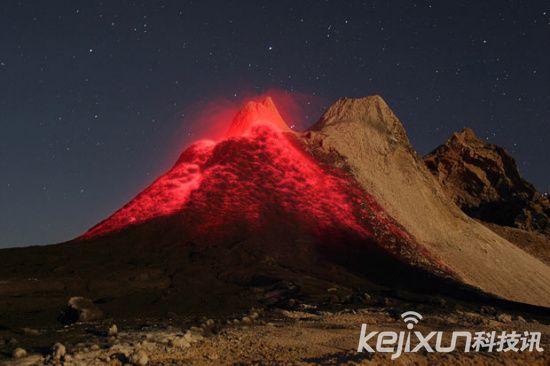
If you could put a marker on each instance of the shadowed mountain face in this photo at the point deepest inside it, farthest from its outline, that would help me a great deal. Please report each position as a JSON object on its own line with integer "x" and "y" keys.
{"x": 484, "y": 181}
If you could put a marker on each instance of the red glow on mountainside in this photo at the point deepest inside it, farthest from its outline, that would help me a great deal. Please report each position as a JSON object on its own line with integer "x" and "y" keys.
{"x": 211, "y": 119}
{"x": 253, "y": 112}
{"x": 255, "y": 178}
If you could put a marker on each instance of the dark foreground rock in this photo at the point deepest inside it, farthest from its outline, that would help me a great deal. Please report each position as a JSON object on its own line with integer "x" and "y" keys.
{"x": 80, "y": 309}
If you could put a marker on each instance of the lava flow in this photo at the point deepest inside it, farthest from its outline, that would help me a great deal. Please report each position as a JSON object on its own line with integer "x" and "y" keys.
{"x": 258, "y": 177}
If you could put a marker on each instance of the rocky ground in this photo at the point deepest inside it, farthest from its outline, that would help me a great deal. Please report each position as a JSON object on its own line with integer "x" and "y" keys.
{"x": 534, "y": 243}
{"x": 293, "y": 334}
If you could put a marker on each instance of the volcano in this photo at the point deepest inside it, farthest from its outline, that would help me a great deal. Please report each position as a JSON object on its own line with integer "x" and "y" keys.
{"x": 352, "y": 180}
{"x": 258, "y": 180}
{"x": 266, "y": 213}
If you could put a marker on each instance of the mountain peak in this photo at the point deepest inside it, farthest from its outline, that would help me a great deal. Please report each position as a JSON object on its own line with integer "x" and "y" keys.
{"x": 369, "y": 115}
{"x": 483, "y": 179}
{"x": 351, "y": 108}
{"x": 260, "y": 111}
{"x": 467, "y": 132}
{"x": 466, "y": 136}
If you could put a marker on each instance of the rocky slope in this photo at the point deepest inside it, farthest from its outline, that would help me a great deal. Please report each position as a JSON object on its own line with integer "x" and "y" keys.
{"x": 366, "y": 138}
{"x": 304, "y": 335}
{"x": 534, "y": 243}
{"x": 484, "y": 181}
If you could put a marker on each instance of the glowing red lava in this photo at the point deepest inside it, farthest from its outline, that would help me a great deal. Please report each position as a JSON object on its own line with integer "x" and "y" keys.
{"x": 257, "y": 112}
{"x": 257, "y": 176}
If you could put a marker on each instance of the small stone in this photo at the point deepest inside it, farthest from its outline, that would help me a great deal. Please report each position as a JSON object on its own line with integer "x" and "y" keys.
{"x": 246, "y": 320}
{"x": 139, "y": 358}
{"x": 504, "y": 318}
{"x": 472, "y": 317}
{"x": 367, "y": 298}
{"x": 19, "y": 353}
{"x": 30, "y": 331}
{"x": 192, "y": 336}
{"x": 254, "y": 316}
{"x": 521, "y": 319}
{"x": 58, "y": 351}
{"x": 489, "y": 323}
{"x": 179, "y": 342}
{"x": 489, "y": 310}
{"x": 113, "y": 330}
{"x": 33, "y": 360}
{"x": 209, "y": 324}
{"x": 80, "y": 309}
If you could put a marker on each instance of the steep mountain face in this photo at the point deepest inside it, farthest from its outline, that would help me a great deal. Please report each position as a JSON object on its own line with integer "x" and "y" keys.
{"x": 364, "y": 137}
{"x": 484, "y": 181}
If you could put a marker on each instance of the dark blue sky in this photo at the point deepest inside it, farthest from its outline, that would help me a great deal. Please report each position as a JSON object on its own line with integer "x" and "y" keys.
{"x": 96, "y": 98}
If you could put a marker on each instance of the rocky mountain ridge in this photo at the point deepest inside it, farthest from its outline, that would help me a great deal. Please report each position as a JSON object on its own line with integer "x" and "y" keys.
{"x": 484, "y": 181}
{"x": 370, "y": 141}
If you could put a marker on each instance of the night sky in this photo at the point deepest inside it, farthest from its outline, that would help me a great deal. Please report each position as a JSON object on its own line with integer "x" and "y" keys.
{"x": 98, "y": 98}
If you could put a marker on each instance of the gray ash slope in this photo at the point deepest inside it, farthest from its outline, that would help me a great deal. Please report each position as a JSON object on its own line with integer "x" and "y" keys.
{"x": 372, "y": 142}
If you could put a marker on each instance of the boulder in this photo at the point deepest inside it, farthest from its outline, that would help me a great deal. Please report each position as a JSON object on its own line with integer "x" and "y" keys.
{"x": 80, "y": 309}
